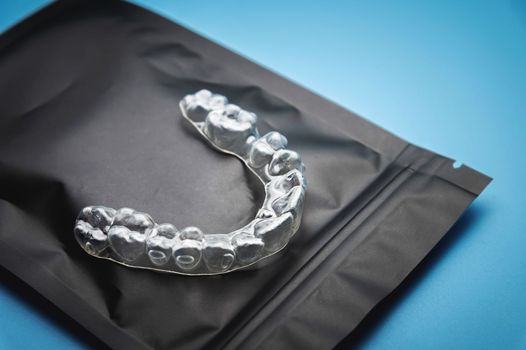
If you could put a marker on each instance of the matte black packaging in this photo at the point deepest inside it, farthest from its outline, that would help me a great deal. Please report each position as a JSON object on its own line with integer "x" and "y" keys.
{"x": 89, "y": 94}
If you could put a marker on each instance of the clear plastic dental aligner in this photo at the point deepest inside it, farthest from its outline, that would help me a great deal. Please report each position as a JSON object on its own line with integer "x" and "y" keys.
{"x": 132, "y": 238}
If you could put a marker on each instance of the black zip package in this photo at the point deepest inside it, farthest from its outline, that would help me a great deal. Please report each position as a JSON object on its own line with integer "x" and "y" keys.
{"x": 89, "y": 94}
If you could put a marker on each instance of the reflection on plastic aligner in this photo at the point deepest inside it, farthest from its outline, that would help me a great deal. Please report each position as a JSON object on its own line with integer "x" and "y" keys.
{"x": 133, "y": 238}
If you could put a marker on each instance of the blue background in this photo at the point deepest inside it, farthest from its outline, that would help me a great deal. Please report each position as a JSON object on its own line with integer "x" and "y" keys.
{"x": 447, "y": 75}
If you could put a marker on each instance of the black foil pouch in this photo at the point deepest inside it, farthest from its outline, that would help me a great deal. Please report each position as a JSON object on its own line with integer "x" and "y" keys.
{"x": 89, "y": 94}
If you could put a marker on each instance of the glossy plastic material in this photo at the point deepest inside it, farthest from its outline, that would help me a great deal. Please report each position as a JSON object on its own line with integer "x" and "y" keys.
{"x": 133, "y": 238}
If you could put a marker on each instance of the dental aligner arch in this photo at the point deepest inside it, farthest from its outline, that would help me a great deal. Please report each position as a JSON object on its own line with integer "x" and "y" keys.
{"x": 132, "y": 238}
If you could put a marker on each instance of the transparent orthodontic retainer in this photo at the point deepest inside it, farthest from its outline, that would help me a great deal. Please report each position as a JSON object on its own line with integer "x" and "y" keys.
{"x": 132, "y": 238}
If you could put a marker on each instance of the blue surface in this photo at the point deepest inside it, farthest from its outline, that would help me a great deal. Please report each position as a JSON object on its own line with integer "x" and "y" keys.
{"x": 447, "y": 75}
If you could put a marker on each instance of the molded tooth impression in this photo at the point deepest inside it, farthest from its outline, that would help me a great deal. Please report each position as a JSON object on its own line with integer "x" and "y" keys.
{"x": 291, "y": 202}
{"x": 92, "y": 227}
{"x": 274, "y": 232}
{"x": 133, "y": 220}
{"x": 263, "y": 149}
{"x": 276, "y": 140}
{"x": 230, "y": 127}
{"x": 92, "y": 239}
{"x": 132, "y": 238}
{"x": 160, "y": 242}
{"x": 283, "y": 161}
{"x": 98, "y": 216}
{"x": 128, "y": 245}
{"x": 187, "y": 253}
{"x": 127, "y": 235}
{"x": 260, "y": 153}
{"x": 283, "y": 184}
{"x": 192, "y": 233}
{"x": 248, "y": 248}
{"x": 218, "y": 253}
{"x": 198, "y": 105}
